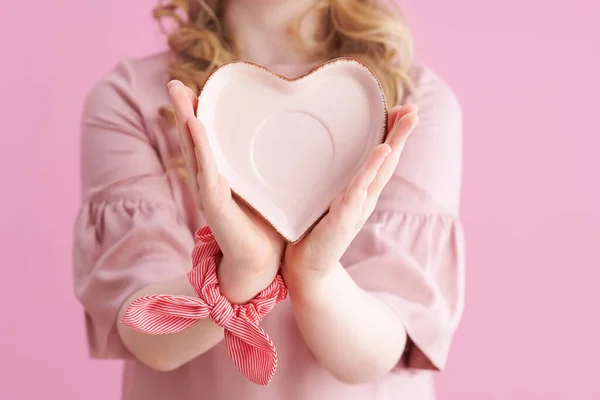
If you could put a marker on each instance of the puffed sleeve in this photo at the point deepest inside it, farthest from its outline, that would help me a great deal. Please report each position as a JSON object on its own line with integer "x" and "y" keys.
{"x": 128, "y": 233}
{"x": 411, "y": 252}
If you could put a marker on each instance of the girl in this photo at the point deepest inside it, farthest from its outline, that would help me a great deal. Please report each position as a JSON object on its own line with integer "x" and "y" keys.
{"x": 375, "y": 290}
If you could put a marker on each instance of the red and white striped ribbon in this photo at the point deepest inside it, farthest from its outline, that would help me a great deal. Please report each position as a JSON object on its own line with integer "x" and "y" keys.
{"x": 249, "y": 346}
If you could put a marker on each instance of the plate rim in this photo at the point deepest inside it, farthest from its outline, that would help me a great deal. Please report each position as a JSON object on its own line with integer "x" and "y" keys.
{"x": 319, "y": 67}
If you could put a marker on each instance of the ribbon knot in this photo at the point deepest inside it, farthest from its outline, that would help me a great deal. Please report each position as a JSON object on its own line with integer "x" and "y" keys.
{"x": 222, "y": 312}
{"x": 249, "y": 346}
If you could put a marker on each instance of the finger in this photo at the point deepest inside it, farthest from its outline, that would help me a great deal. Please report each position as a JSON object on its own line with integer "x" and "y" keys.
{"x": 380, "y": 181}
{"x": 397, "y": 139}
{"x": 391, "y": 118}
{"x": 208, "y": 174}
{"x": 191, "y": 164}
{"x": 367, "y": 173}
{"x": 183, "y": 103}
{"x": 193, "y": 99}
{"x": 401, "y": 131}
{"x": 397, "y": 112}
{"x": 356, "y": 193}
{"x": 183, "y": 108}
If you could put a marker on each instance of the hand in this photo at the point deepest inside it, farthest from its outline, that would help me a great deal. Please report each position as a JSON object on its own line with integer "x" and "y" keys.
{"x": 252, "y": 249}
{"x": 320, "y": 250}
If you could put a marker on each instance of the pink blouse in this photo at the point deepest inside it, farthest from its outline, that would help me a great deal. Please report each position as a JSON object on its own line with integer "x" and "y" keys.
{"x": 136, "y": 226}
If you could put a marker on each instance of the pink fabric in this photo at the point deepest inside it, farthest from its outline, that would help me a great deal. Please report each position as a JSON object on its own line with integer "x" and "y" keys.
{"x": 136, "y": 228}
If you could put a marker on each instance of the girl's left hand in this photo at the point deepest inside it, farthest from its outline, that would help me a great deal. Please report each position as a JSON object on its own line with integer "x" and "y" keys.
{"x": 321, "y": 249}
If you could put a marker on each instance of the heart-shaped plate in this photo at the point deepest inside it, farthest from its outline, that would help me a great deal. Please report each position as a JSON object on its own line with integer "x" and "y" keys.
{"x": 286, "y": 146}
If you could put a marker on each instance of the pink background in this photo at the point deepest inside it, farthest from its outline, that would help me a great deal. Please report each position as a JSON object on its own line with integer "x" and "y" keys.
{"x": 527, "y": 75}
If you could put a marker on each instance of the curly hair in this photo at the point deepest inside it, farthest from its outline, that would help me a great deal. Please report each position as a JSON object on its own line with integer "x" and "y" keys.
{"x": 362, "y": 29}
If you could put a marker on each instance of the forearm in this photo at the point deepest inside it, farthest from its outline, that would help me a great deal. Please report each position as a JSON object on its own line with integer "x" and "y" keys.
{"x": 168, "y": 352}
{"x": 352, "y": 333}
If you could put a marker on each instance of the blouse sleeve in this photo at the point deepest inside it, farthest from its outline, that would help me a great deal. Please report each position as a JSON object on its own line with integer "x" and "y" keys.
{"x": 128, "y": 233}
{"x": 411, "y": 252}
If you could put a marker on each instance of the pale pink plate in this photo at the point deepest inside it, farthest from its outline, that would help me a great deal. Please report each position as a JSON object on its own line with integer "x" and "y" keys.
{"x": 288, "y": 146}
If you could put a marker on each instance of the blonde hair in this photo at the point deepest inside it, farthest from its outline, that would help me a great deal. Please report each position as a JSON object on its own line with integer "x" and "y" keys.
{"x": 360, "y": 29}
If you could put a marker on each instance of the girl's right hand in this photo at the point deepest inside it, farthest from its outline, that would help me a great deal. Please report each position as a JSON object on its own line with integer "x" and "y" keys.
{"x": 252, "y": 249}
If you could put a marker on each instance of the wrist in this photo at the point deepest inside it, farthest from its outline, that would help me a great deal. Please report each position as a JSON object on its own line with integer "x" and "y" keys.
{"x": 240, "y": 285}
{"x": 313, "y": 287}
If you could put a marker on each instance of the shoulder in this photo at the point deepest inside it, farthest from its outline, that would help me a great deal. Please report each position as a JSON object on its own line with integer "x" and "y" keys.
{"x": 129, "y": 94}
{"x": 117, "y": 137}
{"x": 143, "y": 72}
{"x": 437, "y": 101}
{"x": 428, "y": 177}
{"x": 131, "y": 84}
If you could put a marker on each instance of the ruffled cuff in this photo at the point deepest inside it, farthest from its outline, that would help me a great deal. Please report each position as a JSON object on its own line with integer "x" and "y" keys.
{"x": 416, "y": 265}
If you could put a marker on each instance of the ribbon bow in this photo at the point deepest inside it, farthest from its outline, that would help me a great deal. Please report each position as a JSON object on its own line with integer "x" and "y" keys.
{"x": 249, "y": 346}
